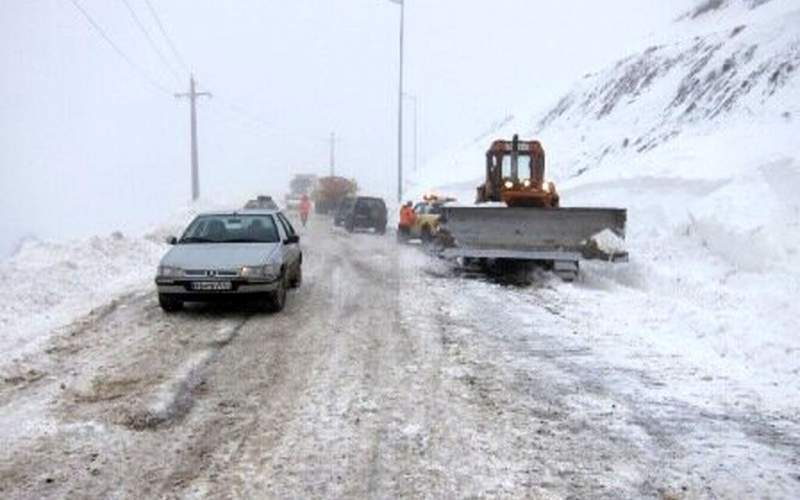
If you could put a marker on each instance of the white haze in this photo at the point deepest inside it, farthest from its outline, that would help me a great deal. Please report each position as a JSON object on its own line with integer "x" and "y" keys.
{"x": 87, "y": 145}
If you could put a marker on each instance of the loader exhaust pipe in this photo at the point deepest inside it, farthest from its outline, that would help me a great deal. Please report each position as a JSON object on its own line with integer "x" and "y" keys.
{"x": 515, "y": 158}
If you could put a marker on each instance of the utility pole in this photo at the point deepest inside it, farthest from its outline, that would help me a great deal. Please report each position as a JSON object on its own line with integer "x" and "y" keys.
{"x": 400, "y": 108}
{"x": 333, "y": 154}
{"x": 402, "y": 5}
{"x": 193, "y": 95}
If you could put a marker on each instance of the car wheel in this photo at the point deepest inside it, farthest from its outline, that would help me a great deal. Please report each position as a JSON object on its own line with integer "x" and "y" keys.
{"x": 169, "y": 304}
{"x": 381, "y": 229}
{"x": 350, "y": 226}
{"x": 298, "y": 277}
{"x": 277, "y": 299}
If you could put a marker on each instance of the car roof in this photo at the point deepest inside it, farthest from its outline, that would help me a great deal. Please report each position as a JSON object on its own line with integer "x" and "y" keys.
{"x": 244, "y": 211}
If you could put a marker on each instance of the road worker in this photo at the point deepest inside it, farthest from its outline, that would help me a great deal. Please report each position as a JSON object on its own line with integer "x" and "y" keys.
{"x": 407, "y": 219}
{"x": 305, "y": 209}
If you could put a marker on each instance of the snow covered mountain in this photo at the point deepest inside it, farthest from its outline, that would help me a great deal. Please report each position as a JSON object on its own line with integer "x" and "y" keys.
{"x": 724, "y": 63}
{"x": 743, "y": 69}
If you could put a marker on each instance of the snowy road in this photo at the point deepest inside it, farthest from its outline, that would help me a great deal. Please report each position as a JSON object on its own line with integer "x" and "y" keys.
{"x": 386, "y": 377}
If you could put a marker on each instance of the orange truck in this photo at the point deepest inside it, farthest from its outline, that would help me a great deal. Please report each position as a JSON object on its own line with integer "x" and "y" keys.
{"x": 330, "y": 191}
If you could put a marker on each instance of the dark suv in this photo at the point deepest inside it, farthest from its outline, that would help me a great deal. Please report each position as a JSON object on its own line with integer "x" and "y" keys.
{"x": 363, "y": 212}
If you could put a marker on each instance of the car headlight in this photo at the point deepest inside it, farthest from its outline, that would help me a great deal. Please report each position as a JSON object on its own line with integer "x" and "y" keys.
{"x": 546, "y": 187}
{"x": 169, "y": 271}
{"x": 269, "y": 271}
{"x": 526, "y": 183}
{"x": 509, "y": 184}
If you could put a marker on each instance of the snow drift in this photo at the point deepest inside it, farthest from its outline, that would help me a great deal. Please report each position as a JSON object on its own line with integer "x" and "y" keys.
{"x": 50, "y": 284}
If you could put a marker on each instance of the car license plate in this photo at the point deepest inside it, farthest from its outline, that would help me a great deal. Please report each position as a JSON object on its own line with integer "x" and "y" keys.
{"x": 212, "y": 286}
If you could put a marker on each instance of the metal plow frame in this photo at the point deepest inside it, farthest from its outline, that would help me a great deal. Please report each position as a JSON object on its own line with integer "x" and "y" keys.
{"x": 557, "y": 235}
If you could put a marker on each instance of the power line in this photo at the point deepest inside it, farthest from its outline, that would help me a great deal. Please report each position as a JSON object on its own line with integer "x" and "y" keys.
{"x": 166, "y": 36}
{"x": 267, "y": 129}
{"x": 150, "y": 40}
{"x": 259, "y": 128}
{"x": 119, "y": 51}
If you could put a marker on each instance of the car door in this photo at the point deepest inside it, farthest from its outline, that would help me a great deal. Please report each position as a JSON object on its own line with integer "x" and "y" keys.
{"x": 292, "y": 251}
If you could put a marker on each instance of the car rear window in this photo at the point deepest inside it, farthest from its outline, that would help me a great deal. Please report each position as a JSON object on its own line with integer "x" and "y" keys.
{"x": 372, "y": 203}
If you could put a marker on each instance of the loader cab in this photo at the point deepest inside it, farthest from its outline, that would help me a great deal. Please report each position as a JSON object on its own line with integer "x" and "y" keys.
{"x": 515, "y": 175}
{"x": 515, "y": 161}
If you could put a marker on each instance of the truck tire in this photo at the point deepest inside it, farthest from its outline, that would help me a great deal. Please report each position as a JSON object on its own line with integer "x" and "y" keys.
{"x": 566, "y": 270}
{"x": 169, "y": 304}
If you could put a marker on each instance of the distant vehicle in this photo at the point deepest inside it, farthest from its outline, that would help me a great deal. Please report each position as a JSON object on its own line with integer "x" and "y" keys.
{"x": 364, "y": 212}
{"x": 341, "y": 211}
{"x": 428, "y": 213}
{"x": 252, "y": 254}
{"x": 262, "y": 202}
{"x": 330, "y": 191}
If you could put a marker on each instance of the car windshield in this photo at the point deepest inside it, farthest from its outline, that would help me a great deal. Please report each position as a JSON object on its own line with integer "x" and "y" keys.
{"x": 232, "y": 229}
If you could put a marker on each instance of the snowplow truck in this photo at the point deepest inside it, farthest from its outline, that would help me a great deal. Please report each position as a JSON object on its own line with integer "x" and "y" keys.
{"x": 330, "y": 192}
{"x": 518, "y": 218}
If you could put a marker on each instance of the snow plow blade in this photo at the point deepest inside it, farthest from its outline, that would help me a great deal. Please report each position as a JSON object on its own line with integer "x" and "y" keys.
{"x": 543, "y": 234}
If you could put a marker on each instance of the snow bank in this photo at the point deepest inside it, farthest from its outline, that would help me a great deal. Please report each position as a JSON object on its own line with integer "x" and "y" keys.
{"x": 50, "y": 284}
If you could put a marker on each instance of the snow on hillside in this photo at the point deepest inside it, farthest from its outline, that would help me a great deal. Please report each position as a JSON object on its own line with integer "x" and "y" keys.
{"x": 697, "y": 137}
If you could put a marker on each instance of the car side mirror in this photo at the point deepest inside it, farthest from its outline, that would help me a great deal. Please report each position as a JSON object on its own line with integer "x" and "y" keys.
{"x": 171, "y": 240}
{"x": 291, "y": 240}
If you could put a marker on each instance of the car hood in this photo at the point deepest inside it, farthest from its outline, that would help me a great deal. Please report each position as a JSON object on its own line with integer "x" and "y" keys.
{"x": 219, "y": 255}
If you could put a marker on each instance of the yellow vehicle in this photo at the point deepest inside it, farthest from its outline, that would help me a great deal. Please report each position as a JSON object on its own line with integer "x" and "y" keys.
{"x": 428, "y": 212}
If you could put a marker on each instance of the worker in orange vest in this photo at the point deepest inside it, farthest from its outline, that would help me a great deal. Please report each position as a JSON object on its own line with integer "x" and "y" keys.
{"x": 305, "y": 208}
{"x": 407, "y": 219}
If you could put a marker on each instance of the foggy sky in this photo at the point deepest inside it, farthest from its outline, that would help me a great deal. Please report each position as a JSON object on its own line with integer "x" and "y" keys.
{"x": 88, "y": 145}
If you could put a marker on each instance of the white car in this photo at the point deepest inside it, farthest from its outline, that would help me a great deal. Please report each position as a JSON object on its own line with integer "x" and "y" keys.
{"x": 249, "y": 254}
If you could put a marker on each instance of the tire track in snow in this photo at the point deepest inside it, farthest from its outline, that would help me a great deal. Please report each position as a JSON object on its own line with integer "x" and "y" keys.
{"x": 171, "y": 401}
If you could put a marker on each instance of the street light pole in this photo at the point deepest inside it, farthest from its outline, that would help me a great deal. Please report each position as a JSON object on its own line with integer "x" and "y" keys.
{"x": 400, "y": 106}
{"x": 415, "y": 134}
